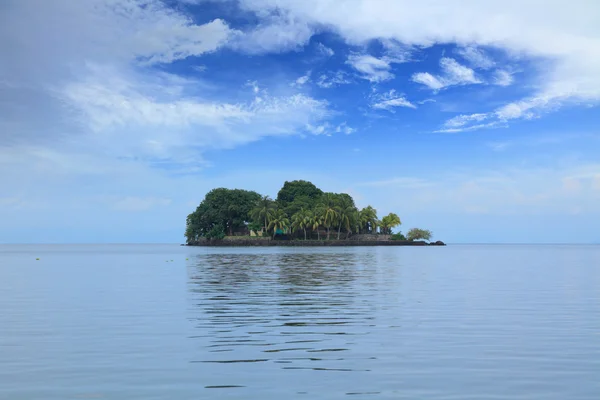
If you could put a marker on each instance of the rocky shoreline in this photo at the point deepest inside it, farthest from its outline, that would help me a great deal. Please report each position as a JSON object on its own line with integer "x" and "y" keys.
{"x": 265, "y": 242}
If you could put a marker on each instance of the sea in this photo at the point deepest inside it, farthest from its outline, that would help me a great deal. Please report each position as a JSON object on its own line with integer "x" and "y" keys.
{"x": 170, "y": 322}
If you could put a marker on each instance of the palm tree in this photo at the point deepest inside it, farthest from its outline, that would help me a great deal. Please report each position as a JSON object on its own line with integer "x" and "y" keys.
{"x": 345, "y": 211}
{"x": 388, "y": 222}
{"x": 263, "y": 211}
{"x": 368, "y": 219}
{"x": 301, "y": 220}
{"x": 315, "y": 223}
{"x": 328, "y": 211}
{"x": 279, "y": 220}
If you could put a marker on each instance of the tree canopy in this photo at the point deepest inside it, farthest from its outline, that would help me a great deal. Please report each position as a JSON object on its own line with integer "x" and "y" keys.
{"x": 301, "y": 210}
{"x": 417, "y": 234}
{"x": 227, "y": 208}
{"x": 389, "y": 222}
{"x": 298, "y": 189}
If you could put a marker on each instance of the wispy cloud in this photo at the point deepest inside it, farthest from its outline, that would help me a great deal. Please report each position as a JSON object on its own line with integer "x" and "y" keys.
{"x": 570, "y": 47}
{"x": 301, "y": 81}
{"x": 476, "y": 57}
{"x": 452, "y": 74}
{"x": 327, "y": 129}
{"x": 390, "y": 100}
{"x": 371, "y": 68}
{"x": 324, "y": 50}
{"x": 333, "y": 79}
{"x": 502, "y": 78}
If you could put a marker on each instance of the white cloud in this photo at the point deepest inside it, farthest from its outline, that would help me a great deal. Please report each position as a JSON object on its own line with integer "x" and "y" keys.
{"x": 276, "y": 33}
{"x": 467, "y": 123}
{"x": 344, "y": 128}
{"x": 452, "y": 74}
{"x": 301, "y": 81}
{"x": 396, "y": 52}
{"x": 371, "y": 68}
{"x": 329, "y": 80}
{"x": 566, "y": 36}
{"x": 463, "y": 120}
{"x": 100, "y": 90}
{"x": 425, "y": 78}
{"x": 503, "y": 78}
{"x": 327, "y": 129}
{"x": 476, "y": 57}
{"x": 324, "y": 50}
{"x": 390, "y": 100}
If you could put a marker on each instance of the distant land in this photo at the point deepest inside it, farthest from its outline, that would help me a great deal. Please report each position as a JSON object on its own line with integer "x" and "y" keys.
{"x": 301, "y": 215}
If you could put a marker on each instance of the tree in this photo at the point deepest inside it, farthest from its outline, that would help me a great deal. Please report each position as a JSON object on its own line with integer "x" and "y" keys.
{"x": 389, "y": 222}
{"x": 416, "y": 234}
{"x": 345, "y": 213}
{"x": 302, "y": 220}
{"x": 263, "y": 210}
{"x": 279, "y": 220}
{"x": 368, "y": 219}
{"x": 294, "y": 189}
{"x": 255, "y": 226}
{"x": 398, "y": 236}
{"x": 217, "y": 232}
{"x": 327, "y": 209}
{"x": 315, "y": 222}
{"x": 226, "y": 207}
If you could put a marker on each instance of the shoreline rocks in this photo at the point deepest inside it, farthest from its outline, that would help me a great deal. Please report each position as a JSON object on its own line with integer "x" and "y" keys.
{"x": 266, "y": 242}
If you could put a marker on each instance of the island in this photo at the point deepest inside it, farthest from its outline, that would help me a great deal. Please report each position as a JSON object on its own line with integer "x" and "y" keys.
{"x": 301, "y": 215}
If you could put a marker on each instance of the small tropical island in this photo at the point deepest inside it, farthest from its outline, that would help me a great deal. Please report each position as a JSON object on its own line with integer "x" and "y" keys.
{"x": 301, "y": 215}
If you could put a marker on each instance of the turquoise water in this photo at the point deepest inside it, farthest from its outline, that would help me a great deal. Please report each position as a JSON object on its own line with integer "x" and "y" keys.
{"x": 169, "y": 322}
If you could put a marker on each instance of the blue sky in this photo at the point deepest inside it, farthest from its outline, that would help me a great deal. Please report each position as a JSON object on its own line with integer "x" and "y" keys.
{"x": 479, "y": 122}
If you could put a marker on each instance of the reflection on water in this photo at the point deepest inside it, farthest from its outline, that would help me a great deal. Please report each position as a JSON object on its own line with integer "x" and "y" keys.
{"x": 280, "y": 308}
{"x": 387, "y": 323}
{"x": 458, "y": 322}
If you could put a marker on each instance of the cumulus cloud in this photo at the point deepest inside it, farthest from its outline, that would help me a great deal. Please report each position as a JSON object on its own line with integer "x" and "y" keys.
{"x": 452, "y": 74}
{"x": 566, "y": 36}
{"x": 390, "y": 100}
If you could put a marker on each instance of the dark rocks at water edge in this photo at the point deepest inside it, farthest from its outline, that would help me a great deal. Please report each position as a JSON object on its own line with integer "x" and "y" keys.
{"x": 265, "y": 242}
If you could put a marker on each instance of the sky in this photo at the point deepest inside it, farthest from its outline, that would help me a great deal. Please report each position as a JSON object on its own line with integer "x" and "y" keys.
{"x": 478, "y": 121}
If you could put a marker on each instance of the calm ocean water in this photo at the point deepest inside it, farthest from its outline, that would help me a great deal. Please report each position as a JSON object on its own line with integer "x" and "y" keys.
{"x": 169, "y": 322}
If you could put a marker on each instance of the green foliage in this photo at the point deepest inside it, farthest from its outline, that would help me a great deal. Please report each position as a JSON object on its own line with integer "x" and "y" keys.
{"x": 217, "y": 232}
{"x": 398, "y": 236}
{"x": 279, "y": 220}
{"x": 228, "y": 208}
{"x": 303, "y": 192}
{"x": 263, "y": 211}
{"x": 417, "y": 234}
{"x": 302, "y": 220}
{"x": 346, "y": 212}
{"x": 367, "y": 220}
{"x": 389, "y": 222}
{"x": 300, "y": 206}
{"x": 315, "y": 222}
{"x": 327, "y": 210}
{"x": 255, "y": 226}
